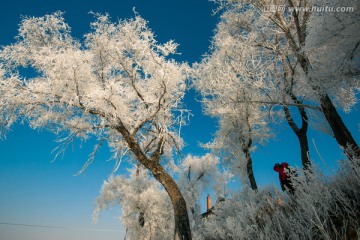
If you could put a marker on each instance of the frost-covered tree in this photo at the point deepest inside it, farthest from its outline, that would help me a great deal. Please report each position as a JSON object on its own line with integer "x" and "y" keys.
{"x": 145, "y": 206}
{"x": 119, "y": 86}
{"x": 323, "y": 48}
{"x": 233, "y": 80}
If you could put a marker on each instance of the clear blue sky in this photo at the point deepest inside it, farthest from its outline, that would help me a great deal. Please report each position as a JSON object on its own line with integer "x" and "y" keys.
{"x": 36, "y": 191}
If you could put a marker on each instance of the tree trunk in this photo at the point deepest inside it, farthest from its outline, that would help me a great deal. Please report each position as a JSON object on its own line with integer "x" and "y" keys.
{"x": 246, "y": 146}
{"x": 301, "y": 134}
{"x": 341, "y": 132}
{"x": 304, "y": 149}
{"x": 141, "y": 219}
{"x": 251, "y": 174}
{"x": 182, "y": 229}
{"x": 249, "y": 168}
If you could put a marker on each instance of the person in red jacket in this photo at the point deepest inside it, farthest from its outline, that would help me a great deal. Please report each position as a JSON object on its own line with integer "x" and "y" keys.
{"x": 285, "y": 178}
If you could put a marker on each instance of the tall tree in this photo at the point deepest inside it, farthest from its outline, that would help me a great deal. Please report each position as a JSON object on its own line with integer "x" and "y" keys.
{"x": 119, "y": 86}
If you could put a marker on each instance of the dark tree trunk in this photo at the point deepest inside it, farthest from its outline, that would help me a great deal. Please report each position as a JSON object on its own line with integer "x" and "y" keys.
{"x": 301, "y": 134}
{"x": 141, "y": 218}
{"x": 304, "y": 149}
{"x": 249, "y": 169}
{"x": 182, "y": 226}
{"x": 250, "y": 172}
{"x": 341, "y": 132}
{"x": 246, "y": 146}
{"x": 182, "y": 229}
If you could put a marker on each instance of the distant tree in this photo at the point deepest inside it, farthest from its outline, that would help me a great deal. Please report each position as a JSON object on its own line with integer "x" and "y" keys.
{"x": 118, "y": 86}
{"x": 323, "y": 48}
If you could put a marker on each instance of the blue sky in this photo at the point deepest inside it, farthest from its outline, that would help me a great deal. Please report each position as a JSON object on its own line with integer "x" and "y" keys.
{"x": 36, "y": 191}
